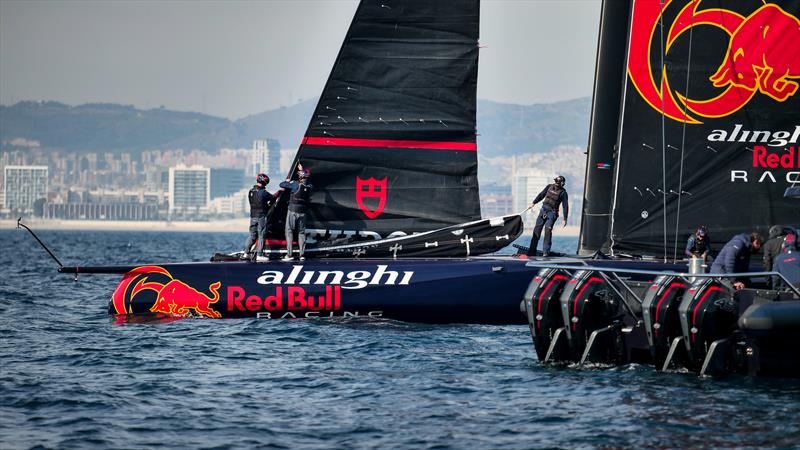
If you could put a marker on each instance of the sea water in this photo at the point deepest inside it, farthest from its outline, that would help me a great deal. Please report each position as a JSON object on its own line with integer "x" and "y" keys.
{"x": 71, "y": 378}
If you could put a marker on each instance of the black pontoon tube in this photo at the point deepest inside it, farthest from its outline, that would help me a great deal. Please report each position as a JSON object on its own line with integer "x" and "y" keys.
{"x": 685, "y": 276}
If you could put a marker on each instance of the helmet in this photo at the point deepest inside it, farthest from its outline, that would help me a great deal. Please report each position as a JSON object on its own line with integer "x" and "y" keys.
{"x": 262, "y": 179}
{"x": 789, "y": 242}
{"x": 701, "y": 232}
{"x": 303, "y": 173}
{"x": 560, "y": 180}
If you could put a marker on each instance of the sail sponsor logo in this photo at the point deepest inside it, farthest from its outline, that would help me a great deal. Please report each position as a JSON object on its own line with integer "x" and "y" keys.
{"x": 770, "y": 138}
{"x": 762, "y": 56}
{"x": 778, "y": 151}
{"x": 770, "y": 159}
{"x": 372, "y": 189}
{"x": 775, "y": 159}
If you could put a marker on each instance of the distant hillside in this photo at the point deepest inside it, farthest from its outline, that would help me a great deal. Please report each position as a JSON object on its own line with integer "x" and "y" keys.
{"x": 287, "y": 124}
{"x": 111, "y": 127}
{"x": 505, "y": 129}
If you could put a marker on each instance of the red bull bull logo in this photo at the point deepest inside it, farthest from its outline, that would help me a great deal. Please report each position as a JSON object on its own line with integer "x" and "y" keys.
{"x": 173, "y": 297}
{"x": 763, "y": 56}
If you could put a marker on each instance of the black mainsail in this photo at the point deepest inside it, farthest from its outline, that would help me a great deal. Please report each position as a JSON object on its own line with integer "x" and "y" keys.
{"x": 392, "y": 143}
{"x": 709, "y": 131}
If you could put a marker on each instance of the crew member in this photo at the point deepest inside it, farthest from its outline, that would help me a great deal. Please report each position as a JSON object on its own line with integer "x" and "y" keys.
{"x": 698, "y": 244}
{"x": 787, "y": 263}
{"x": 774, "y": 244}
{"x": 735, "y": 256}
{"x": 299, "y": 197}
{"x": 551, "y": 196}
{"x": 260, "y": 203}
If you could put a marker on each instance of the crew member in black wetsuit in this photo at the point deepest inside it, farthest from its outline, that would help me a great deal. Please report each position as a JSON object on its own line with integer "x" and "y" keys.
{"x": 551, "y": 196}
{"x": 260, "y": 203}
{"x": 299, "y": 197}
{"x": 698, "y": 245}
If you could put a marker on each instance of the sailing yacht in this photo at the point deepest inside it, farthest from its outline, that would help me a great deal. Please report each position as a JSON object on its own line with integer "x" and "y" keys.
{"x": 394, "y": 220}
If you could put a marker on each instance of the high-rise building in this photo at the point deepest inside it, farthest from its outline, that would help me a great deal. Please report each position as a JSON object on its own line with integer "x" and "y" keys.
{"x": 23, "y": 185}
{"x": 189, "y": 188}
{"x": 225, "y": 182}
{"x": 266, "y": 158}
{"x": 525, "y": 185}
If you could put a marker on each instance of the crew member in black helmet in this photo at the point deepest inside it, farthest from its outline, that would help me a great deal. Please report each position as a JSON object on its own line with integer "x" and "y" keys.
{"x": 299, "y": 198}
{"x": 551, "y": 196}
{"x": 698, "y": 245}
{"x": 260, "y": 203}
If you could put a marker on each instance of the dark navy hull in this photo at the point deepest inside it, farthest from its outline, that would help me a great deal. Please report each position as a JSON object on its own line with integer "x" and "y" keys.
{"x": 477, "y": 290}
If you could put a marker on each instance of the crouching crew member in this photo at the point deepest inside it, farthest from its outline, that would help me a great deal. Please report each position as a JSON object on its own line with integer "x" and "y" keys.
{"x": 551, "y": 196}
{"x": 260, "y": 203}
{"x": 735, "y": 256}
{"x": 299, "y": 198}
{"x": 787, "y": 263}
{"x": 698, "y": 244}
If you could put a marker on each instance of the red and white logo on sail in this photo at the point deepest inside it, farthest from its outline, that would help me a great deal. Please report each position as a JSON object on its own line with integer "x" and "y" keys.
{"x": 371, "y": 189}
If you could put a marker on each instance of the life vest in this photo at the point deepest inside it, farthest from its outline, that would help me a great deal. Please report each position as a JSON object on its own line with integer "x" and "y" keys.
{"x": 256, "y": 207}
{"x": 698, "y": 247}
{"x": 299, "y": 199}
{"x": 553, "y": 197}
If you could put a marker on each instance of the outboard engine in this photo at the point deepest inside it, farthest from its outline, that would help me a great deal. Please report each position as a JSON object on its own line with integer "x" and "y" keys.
{"x": 708, "y": 314}
{"x": 660, "y": 313}
{"x": 542, "y": 307}
{"x": 591, "y": 313}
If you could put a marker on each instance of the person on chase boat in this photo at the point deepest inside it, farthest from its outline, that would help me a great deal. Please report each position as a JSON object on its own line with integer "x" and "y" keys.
{"x": 698, "y": 244}
{"x": 551, "y": 196}
{"x": 299, "y": 198}
{"x": 260, "y": 203}
{"x": 787, "y": 263}
{"x": 735, "y": 256}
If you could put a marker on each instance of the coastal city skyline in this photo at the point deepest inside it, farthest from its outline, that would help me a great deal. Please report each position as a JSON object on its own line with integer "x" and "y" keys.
{"x": 177, "y": 184}
{"x": 223, "y": 61}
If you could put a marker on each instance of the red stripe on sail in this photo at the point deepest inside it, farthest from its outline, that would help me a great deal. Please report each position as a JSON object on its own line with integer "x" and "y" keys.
{"x": 390, "y": 143}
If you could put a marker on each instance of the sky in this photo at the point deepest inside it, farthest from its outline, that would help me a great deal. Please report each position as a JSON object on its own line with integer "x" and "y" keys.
{"x": 236, "y": 58}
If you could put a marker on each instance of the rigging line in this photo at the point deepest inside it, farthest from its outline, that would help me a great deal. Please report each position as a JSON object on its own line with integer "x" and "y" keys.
{"x": 663, "y": 132}
{"x": 683, "y": 134}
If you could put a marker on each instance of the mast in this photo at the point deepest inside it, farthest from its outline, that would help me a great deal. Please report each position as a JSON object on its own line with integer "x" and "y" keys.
{"x": 605, "y": 117}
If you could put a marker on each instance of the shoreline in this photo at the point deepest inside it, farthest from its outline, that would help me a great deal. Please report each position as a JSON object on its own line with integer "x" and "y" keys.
{"x": 217, "y": 226}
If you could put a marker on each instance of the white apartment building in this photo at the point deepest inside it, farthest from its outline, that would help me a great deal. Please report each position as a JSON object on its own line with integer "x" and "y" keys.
{"x": 22, "y": 186}
{"x": 236, "y": 204}
{"x": 189, "y": 188}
